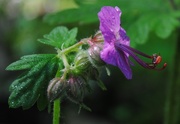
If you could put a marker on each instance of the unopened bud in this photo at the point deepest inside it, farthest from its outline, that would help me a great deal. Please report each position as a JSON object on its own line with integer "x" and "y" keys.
{"x": 94, "y": 54}
{"x": 55, "y": 88}
{"x": 76, "y": 86}
{"x": 81, "y": 62}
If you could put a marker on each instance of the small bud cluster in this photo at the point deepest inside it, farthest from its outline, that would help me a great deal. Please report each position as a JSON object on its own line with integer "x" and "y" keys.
{"x": 73, "y": 82}
{"x": 73, "y": 87}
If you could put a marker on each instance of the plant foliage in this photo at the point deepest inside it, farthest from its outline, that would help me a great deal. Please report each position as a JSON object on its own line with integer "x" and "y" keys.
{"x": 139, "y": 17}
{"x": 31, "y": 86}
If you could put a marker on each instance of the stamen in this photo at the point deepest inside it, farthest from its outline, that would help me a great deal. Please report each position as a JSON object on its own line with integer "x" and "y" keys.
{"x": 134, "y": 56}
{"x": 158, "y": 69}
{"x": 136, "y": 51}
{"x": 156, "y": 59}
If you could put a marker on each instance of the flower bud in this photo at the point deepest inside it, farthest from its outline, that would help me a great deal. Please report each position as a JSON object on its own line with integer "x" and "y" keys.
{"x": 81, "y": 62}
{"x": 56, "y": 88}
{"x": 94, "y": 54}
{"x": 76, "y": 87}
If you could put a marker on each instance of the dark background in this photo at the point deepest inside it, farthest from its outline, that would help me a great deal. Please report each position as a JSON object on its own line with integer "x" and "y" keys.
{"x": 141, "y": 100}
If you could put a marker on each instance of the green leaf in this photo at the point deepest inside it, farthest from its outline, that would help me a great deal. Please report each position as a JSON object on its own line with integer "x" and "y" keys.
{"x": 81, "y": 15}
{"x": 82, "y": 2}
{"x": 139, "y": 30}
{"x": 164, "y": 25}
{"x": 31, "y": 86}
{"x": 60, "y": 37}
{"x": 85, "y": 14}
{"x": 70, "y": 38}
{"x": 29, "y": 61}
{"x": 74, "y": 15}
{"x": 42, "y": 102}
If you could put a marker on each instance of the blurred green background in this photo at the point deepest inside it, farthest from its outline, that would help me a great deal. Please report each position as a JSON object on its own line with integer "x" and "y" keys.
{"x": 153, "y": 27}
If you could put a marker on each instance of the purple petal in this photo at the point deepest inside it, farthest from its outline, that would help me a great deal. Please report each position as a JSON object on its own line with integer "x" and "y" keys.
{"x": 124, "y": 39}
{"x": 111, "y": 56}
{"x": 112, "y": 32}
{"x": 108, "y": 54}
{"x": 123, "y": 64}
{"x": 109, "y": 22}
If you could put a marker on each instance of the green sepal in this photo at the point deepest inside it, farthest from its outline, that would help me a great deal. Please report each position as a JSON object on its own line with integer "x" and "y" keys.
{"x": 60, "y": 37}
{"x": 28, "y": 61}
{"x": 82, "y": 105}
{"x": 31, "y": 86}
{"x": 101, "y": 84}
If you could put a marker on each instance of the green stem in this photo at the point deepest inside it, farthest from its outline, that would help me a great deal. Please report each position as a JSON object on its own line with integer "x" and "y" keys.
{"x": 56, "y": 105}
{"x": 172, "y": 107}
{"x": 75, "y": 46}
{"x": 56, "y": 112}
{"x": 62, "y": 55}
{"x": 65, "y": 61}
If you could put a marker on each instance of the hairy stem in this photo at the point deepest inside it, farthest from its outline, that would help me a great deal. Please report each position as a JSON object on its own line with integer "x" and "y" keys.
{"x": 56, "y": 105}
{"x": 62, "y": 55}
{"x": 56, "y": 112}
{"x": 172, "y": 107}
{"x": 75, "y": 46}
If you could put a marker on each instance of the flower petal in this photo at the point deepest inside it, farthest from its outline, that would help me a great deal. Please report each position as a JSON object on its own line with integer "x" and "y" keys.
{"x": 109, "y": 22}
{"x": 109, "y": 54}
{"x": 112, "y": 32}
{"x": 123, "y": 64}
{"x": 124, "y": 39}
{"x": 117, "y": 58}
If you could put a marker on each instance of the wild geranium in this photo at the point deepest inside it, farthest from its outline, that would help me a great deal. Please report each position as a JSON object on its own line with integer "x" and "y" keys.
{"x": 67, "y": 74}
{"x": 116, "y": 50}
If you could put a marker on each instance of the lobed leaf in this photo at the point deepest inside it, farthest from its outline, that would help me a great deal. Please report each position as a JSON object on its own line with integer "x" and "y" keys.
{"x": 139, "y": 30}
{"x": 27, "y": 62}
{"x": 165, "y": 24}
{"x": 162, "y": 24}
{"x": 31, "y": 86}
{"x": 60, "y": 37}
{"x": 144, "y": 16}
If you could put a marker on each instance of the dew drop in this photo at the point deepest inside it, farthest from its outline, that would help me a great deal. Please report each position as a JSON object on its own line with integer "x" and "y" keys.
{"x": 111, "y": 29}
{"x": 12, "y": 104}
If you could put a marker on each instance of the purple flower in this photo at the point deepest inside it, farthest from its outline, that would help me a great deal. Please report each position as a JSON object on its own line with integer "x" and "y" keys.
{"x": 116, "y": 49}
